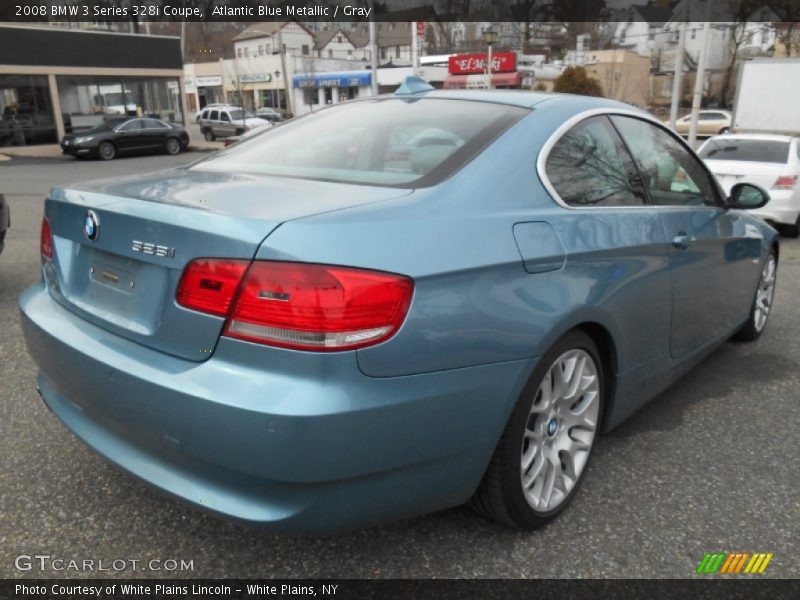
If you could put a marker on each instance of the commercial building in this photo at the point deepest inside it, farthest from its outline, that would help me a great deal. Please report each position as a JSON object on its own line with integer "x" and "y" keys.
{"x": 56, "y": 81}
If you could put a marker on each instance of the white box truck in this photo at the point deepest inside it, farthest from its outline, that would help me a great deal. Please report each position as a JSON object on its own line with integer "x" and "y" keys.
{"x": 768, "y": 96}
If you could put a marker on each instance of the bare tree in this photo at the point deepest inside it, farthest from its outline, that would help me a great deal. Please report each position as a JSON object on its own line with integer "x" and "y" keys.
{"x": 742, "y": 11}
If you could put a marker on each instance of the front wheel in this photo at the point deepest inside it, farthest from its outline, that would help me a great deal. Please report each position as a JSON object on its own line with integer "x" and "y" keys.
{"x": 762, "y": 303}
{"x": 543, "y": 453}
{"x": 173, "y": 146}
{"x": 107, "y": 151}
{"x": 724, "y": 130}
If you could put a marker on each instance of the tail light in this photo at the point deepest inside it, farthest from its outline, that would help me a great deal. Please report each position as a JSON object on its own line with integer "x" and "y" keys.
{"x": 318, "y": 307}
{"x": 298, "y": 305}
{"x": 208, "y": 285}
{"x": 46, "y": 241}
{"x": 785, "y": 182}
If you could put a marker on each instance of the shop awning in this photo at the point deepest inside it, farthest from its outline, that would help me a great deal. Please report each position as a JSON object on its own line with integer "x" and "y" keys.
{"x": 473, "y": 82}
{"x": 335, "y": 79}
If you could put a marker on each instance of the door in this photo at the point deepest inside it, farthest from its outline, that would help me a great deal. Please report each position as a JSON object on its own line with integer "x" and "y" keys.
{"x": 155, "y": 133}
{"x": 131, "y": 136}
{"x": 715, "y": 255}
{"x": 213, "y": 121}
{"x": 225, "y": 127}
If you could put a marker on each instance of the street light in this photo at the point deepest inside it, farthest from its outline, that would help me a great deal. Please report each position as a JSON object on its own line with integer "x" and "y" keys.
{"x": 489, "y": 37}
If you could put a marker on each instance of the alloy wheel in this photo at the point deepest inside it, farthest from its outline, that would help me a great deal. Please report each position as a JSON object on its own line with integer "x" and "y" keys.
{"x": 764, "y": 294}
{"x": 560, "y": 430}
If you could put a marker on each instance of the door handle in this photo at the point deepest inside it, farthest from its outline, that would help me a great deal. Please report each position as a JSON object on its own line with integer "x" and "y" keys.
{"x": 682, "y": 241}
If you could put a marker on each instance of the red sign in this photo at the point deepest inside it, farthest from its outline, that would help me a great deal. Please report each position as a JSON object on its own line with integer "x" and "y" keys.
{"x": 421, "y": 28}
{"x": 468, "y": 64}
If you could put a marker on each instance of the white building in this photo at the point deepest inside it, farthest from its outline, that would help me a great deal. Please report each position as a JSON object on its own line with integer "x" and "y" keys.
{"x": 261, "y": 39}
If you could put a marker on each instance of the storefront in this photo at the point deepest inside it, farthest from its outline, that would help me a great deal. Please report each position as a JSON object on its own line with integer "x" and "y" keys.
{"x": 54, "y": 81}
{"x": 469, "y": 71}
{"x": 315, "y": 90}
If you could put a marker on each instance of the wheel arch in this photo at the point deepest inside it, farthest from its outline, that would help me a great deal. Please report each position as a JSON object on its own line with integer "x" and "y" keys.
{"x": 604, "y": 341}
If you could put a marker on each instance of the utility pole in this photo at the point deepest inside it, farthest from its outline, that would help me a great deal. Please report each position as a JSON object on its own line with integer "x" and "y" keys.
{"x": 677, "y": 78}
{"x": 286, "y": 87}
{"x": 414, "y": 49}
{"x": 701, "y": 74}
{"x": 373, "y": 51}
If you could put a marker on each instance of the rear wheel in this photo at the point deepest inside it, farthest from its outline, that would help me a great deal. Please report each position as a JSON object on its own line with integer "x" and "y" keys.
{"x": 106, "y": 150}
{"x": 543, "y": 453}
{"x": 724, "y": 130}
{"x": 762, "y": 303}
{"x": 209, "y": 135}
{"x": 173, "y": 146}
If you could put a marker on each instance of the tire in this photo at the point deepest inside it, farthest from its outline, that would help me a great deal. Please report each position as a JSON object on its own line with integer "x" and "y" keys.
{"x": 762, "y": 303}
{"x": 239, "y": 132}
{"x": 538, "y": 432}
{"x": 106, "y": 151}
{"x": 724, "y": 130}
{"x": 209, "y": 135}
{"x": 792, "y": 231}
{"x": 173, "y": 146}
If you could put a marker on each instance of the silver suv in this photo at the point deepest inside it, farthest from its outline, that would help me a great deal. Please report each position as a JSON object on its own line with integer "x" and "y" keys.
{"x": 225, "y": 121}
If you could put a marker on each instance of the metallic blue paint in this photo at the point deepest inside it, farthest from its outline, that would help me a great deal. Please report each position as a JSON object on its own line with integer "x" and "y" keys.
{"x": 306, "y": 442}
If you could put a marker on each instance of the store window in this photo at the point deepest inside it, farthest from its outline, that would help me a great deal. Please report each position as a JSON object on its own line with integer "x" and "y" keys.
{"x": 88, "y": 100}
{"x": 26, "y": 114}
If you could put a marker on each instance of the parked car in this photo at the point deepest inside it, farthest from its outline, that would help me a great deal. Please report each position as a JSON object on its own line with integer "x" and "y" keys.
{"x": 126, "y": 135}
{"x": 226, "y": 121}
{"x": 770, "y": 161}
{"x": 311, "y": 337}
{"x": 199, "y": 113}
{"x": 5, "y": 221}
{"x": 709, "y": 122}
{"x": 269, "y": 114}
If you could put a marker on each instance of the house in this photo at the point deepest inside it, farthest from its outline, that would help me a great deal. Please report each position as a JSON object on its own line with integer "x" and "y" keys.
{"x": 642, "y": 25}
{"x": 624, "y": 75}
{"x": 336, "y": 43}
{"x": 261, "y": 39}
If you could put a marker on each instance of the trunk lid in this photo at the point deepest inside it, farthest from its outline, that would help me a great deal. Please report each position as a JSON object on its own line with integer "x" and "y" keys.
{"x": 149, "y": 227}
{"x": 730, "y": 172}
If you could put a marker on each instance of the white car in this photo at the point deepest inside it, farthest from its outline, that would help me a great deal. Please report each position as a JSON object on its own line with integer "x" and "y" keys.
{"x": 770, "y": 161}
{"x": 227, "y": 121}
{"x": 212, "y": 105}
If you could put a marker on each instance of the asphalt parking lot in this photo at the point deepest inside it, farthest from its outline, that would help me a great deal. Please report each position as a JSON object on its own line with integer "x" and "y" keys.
{"x": 711, "y": 465}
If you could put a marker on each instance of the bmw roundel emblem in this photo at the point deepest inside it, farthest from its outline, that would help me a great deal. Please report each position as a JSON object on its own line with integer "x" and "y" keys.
{"x": 91, "y": 226}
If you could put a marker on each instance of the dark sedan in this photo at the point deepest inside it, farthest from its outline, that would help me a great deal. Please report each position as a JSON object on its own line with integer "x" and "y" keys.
{"x": 126, "y": 135}
{"x": 5, "y": 220}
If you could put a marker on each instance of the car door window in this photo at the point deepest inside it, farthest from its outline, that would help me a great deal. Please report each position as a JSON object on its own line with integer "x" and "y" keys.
{"x": 224, "y": 117}
{"x": 671, "y": 175}
{"x": 154, "y": 124}
{"x": 589, "y": 166}
{"x": 134, "y": 125}
{"x": 206, "y": 114}
{"x": 214, "y": 115}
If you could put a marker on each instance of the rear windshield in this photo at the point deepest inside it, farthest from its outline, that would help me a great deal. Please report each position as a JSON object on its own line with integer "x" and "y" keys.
{"x": 770, "y": 151}
{"x": 388, "y": 141}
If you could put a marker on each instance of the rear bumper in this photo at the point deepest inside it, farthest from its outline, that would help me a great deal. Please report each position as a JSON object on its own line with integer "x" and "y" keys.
{"x": 783, "y": 207}
{"x": 296, "y": 442}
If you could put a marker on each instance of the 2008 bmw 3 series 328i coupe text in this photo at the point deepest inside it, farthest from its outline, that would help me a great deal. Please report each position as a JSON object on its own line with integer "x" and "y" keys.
{"x": 392, "y": 306}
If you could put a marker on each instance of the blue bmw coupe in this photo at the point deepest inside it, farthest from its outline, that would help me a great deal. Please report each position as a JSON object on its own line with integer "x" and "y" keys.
{"x": 393, "y": 305}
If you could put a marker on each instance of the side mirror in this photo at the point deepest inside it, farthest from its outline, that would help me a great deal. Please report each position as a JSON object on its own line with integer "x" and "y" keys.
{"x": 747, "y": 196}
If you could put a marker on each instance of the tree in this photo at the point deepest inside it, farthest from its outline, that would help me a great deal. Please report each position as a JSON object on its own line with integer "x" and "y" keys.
{"x": 575, "y": 80}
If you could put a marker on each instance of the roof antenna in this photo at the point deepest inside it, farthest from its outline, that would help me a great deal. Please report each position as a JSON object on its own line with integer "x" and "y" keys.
{"x": 413, "y": 85}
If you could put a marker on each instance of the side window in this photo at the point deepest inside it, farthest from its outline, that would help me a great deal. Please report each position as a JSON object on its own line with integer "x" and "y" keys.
{"x": 223, "y": 116}
{"x": 205, "y": 114}
{"x": 134, "y": 125}
{"x": 214, "y": 116}
{"x": 154, "y": 124}
{"x": 672, "y": 176}
{"x": 589, "y": 166}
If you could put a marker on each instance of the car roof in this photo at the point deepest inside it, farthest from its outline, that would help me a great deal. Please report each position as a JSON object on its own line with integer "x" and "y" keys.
{"x": 521, "y": 98}
{"x": 773, "y": 137}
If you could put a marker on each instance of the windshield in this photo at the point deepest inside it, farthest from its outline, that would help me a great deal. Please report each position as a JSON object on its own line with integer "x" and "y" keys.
{"x": 393, "y": 142}
{"x": 771, "y": 151}
{"x": 237, "y": 114}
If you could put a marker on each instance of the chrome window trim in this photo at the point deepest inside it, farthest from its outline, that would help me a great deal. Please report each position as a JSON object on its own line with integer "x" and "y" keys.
{"x": 562, "y": 129}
